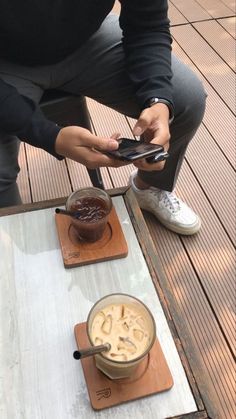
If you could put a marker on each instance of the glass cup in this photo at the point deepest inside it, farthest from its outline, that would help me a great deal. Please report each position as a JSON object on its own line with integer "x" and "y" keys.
{"x": 128, "y": 325}
{"x": 92, "y": 207}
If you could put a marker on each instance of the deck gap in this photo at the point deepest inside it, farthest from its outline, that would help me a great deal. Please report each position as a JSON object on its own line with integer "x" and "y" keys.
{"x": 69, "y": 176}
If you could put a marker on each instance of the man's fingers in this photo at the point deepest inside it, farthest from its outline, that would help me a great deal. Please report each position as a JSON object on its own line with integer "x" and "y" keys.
{"x": 101, "y": 143}
{"x": 162, "y": 137}
{"x": 143, "y": 122}
{"x": 115, "y": 136}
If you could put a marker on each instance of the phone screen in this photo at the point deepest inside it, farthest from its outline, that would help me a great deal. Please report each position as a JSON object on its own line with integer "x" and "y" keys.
{"x": 133, "y": 150}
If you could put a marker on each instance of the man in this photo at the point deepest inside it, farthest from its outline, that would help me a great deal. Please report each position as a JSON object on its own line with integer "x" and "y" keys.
{"x": 124, "y": 63}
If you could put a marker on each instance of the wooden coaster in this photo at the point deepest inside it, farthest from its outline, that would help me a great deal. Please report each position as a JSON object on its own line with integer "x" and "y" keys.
{"x": 153, "y": 376}
{"x": 112, "y": 245}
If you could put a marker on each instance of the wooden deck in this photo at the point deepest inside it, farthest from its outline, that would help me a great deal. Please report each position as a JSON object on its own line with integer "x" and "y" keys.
{"x": 198, "y": 281}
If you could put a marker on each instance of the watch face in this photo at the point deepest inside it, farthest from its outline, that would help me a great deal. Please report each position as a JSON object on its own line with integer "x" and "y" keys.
{"x": 153, "y": 101}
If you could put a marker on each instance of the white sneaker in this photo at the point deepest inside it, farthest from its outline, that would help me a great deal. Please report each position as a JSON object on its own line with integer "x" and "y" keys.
{"x": 173, "y": 213}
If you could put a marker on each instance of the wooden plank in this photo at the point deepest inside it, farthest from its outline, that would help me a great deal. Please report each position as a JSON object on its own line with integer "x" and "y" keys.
{"x": 193, "y": 284}
{"x": 218, "y": 74}
{"x": 215, "y": 8}
{"x": 212, "y": 254}
{"x": 230, "y": 4}
{"x": 23, "y": 180}
{"x": 218, "y": 119}
{"x": 216, "y": 177}
{"x": 219, "y": 39}
{"x": 48, "y": 176}
{"x": 191, "y": 10}
{"x": 229, "y": 24}
{"x": 176, "y": 18}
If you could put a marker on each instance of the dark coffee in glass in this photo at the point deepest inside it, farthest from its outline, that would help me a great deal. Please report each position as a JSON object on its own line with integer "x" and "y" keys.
{"x": 91, "y": 207}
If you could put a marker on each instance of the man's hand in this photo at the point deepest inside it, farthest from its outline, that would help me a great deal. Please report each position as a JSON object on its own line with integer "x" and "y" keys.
{"x": 153, "y": 123}
{"x": 81, "y": 145}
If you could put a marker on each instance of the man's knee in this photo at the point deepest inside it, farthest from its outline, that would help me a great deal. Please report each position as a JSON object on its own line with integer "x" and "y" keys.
{"x": 197, "y": 103}
{"x": 194, "y": 104}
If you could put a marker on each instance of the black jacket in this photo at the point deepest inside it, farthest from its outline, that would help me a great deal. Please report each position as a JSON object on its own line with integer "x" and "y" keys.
{"x": 44, "y": 32}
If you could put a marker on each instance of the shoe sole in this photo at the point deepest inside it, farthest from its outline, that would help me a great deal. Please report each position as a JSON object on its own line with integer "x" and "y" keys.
{"x": 184, "y": 231}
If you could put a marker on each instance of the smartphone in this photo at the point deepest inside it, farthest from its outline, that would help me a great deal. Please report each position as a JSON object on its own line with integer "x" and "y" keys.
{"x": 131, "y": 150}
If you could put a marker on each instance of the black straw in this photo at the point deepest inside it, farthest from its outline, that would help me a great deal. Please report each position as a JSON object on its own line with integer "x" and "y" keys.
{"x": 65, "y": 212}
{"x": 76, "y": 355}
{"x": 91, "y": 350}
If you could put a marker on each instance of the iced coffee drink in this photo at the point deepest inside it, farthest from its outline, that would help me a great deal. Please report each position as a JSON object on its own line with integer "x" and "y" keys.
{"x": 91, "y": 208}
{"x": 125, "y": 328}
{"x": 128, "y": 326}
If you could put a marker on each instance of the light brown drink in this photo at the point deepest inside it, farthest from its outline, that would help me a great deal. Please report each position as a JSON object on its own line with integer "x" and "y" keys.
{"x": 128, "y": 325}
{"x": 125, "y": 327}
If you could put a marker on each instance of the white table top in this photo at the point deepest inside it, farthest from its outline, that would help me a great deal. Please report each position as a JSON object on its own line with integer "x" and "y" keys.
{"x": 41, "y": 301}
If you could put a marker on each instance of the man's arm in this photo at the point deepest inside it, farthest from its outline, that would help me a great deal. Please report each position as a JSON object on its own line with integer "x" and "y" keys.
{"x": 20, "y": 116}
{"x": 147, "y": 46}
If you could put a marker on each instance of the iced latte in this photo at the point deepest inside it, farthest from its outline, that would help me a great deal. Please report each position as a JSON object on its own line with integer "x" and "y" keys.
{"x": 128, "y": 326}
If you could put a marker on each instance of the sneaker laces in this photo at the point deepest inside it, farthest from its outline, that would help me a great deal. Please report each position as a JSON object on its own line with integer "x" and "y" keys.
{"x": 169, "y": 199}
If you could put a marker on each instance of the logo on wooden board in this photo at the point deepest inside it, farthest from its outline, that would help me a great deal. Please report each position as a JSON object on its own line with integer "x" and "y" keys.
{"x": 105, "y": 393}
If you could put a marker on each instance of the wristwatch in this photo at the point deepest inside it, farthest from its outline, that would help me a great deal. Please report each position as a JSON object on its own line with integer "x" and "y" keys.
{"x": 155, "y": 100}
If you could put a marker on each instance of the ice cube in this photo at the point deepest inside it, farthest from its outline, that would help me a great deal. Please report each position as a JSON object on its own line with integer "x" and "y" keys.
{"x": 119, "y": 357}
{"x": 140, "y": 321}
{"x": 138, "y": 334}
{"x": 107, "y": 325}
{"x": 127, "y": 344}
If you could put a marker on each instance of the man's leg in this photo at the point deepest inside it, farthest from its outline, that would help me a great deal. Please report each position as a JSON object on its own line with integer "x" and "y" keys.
{"x": 9, "y": 168}
{"x": 21, "y": 79}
